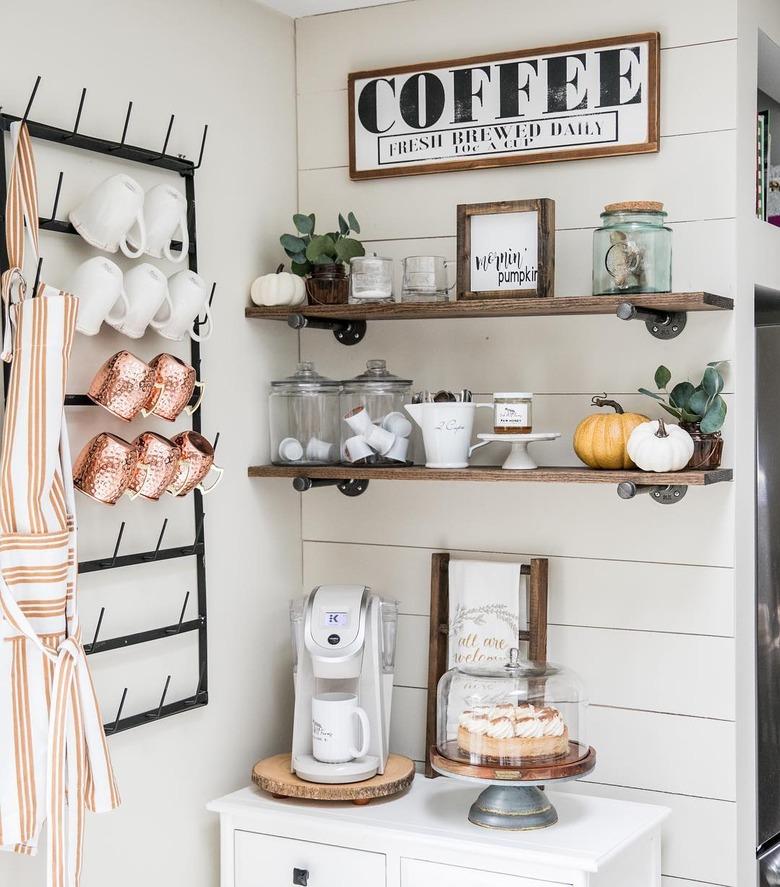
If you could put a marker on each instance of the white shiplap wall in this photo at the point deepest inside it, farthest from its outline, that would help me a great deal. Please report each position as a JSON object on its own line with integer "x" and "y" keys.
{"x": 642, "y": 597}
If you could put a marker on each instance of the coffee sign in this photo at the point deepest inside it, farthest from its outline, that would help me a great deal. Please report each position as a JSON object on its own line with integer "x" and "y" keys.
{"x": 568, "y": 102}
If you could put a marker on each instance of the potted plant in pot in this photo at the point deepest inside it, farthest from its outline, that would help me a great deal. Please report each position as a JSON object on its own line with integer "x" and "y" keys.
{"x": 323, "y": 258}
{"x": 700, "y": 410}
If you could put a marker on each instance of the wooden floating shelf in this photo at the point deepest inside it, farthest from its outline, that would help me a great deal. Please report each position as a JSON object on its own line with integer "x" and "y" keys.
{"x": 491, "y": 473}
{"x": 556, "y": 306}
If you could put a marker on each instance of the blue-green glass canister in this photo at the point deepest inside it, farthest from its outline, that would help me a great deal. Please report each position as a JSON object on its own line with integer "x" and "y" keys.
{"x": 632, "y": 250}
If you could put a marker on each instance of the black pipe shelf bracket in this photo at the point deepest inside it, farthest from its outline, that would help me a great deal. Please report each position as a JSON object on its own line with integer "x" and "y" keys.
{"x": 353, "y": 487}
{"x": 347, "y": 332}
{"x": 159, "y": 159}
{"x": 662, "y": 325}
{"x": 663, "y": 494}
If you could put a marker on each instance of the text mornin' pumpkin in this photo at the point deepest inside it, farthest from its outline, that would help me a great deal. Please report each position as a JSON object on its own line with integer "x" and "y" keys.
{"x": 601, "y": 438}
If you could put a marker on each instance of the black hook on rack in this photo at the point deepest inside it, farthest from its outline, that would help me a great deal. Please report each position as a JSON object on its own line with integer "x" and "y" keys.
{"x": 153, "y": 557}
{"x": 113, "y": 727}
{"x": 199, "y": 531}
{"x": 32, "y": 99}
{"x": 90, "y": 648}
{"x": 198, "y": 321}
{"x": 124, "y": 129}
{"x": 202, "y": 146}
{"x": 56, "y": 199}
{"x": 165, "y": 143}
{"x": 201, "y": 678}
{"x": 37, "y": 276}
{"x": 116, "y": 547}
{"x": 154, "y": 715}
{"x": 216, "y": 442}
{"x": 177, "y": 629}
{"x": 78, "y": 116}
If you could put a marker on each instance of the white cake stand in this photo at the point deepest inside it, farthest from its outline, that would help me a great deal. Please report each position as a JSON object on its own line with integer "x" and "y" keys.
{"x": 519, "y": 459}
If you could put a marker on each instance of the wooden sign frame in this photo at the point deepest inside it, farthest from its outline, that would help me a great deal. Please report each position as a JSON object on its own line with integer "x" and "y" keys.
{"x": 605, "y": 148}
{"x": 535, "y": 634}
{"x": 545, "y": 237}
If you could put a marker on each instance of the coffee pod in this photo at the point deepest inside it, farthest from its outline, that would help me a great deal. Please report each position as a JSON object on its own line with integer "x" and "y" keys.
{"x": 357, "y": 450}
{"x": 398, "y": 450}
{"x": 379, "y": 439}
{"x": 290, "y": 450}
{"x": 397, "y": 423}
{"x": 320, "y": 451}
{"x": 359, "y": 420}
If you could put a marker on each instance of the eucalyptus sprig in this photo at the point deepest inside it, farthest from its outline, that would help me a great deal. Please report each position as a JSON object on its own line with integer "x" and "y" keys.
{"x": 307, "y": 249}
{"x": 687, "y": 402}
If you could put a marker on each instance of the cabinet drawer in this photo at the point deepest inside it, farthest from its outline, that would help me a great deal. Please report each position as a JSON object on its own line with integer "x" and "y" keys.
{"x": 270, "y": 861}
{"x": 416, "y": 873}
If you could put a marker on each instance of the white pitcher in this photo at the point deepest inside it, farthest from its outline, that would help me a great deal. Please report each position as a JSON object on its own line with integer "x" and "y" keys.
{"x": 446, "y": 429}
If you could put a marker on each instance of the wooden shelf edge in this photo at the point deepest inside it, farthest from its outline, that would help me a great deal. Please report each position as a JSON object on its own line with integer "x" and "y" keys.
{"x": 492, "y": 473}
{"x": 555, "y": 306}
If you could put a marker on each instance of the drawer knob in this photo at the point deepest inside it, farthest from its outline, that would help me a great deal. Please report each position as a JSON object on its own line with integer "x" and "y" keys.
{"x": 301, "y": 877}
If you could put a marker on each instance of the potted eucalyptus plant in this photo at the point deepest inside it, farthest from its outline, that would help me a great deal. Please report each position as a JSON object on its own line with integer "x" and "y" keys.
{"x": 700, "y": 410}
{"x": 323, "y": 259}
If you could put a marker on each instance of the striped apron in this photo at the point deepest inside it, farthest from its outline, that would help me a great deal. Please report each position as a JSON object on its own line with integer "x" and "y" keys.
{"x": 54, "y": 762}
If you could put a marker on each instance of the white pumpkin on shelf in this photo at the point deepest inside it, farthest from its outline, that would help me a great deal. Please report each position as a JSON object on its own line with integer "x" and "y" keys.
{"x": 281, "y": 288}
{"x": 656, "y": 446}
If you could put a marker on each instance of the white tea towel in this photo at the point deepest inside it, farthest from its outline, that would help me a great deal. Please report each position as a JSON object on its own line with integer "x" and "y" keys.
{"x": 487, "y": 610}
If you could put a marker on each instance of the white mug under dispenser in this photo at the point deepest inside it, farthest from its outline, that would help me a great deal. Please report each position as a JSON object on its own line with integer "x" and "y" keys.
{"x": 344, "y": 654}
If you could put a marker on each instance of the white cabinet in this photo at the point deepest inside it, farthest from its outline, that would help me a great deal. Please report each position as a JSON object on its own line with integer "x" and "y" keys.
{"x": 416, "y": 873}
{"x": 265, "y": 860}
{"x": 424, "y": 839}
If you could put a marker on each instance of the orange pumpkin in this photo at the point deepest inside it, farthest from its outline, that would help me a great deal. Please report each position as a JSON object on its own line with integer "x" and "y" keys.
{"x": 601, "y": 438}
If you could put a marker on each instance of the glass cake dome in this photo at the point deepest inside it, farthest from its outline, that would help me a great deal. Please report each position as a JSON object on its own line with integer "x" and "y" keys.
{"x": 527, "y": 714}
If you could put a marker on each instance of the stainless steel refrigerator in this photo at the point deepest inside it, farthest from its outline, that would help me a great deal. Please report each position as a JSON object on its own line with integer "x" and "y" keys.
{"x": 768, "y": 588}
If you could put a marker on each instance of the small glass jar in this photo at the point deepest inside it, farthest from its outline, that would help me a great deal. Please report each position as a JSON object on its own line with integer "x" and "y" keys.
{"x": 632, "y": 251}
{"x": 513, "y": 412}
{"x": 524, "y": 713}
{"x": 370, "y": 280}
{"x": 375, "y": 427}
{"x": 304, "y": 418}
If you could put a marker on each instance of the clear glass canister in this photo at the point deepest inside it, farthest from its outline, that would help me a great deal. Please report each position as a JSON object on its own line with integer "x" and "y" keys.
{"x": 375, "y": 427}
{"x": 370, "y": 280}
{"x": 304, "y": 418}
{"x": 522, "y": 713}
{"x": 632, "y": 251}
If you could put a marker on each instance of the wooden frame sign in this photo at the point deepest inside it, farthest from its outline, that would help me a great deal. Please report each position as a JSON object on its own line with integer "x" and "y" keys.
{"x": 592, "y": 99}
{"x": 506, "y": 250}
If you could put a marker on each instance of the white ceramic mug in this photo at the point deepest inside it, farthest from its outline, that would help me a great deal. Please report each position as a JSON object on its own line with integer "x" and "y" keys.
{"x": 189, "y": 296}
{"x": 109, "y": 212}
{"x": 335, "y": 718}
{"x": 98, "y": 285}
{"x": 147, "y": 291}
{"x": 165, "y": 213}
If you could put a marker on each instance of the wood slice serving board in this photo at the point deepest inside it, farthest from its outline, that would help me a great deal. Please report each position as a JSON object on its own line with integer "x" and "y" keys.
{"x": 273, "y": 775}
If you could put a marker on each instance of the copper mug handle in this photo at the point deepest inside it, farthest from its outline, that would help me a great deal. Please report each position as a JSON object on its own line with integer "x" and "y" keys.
{"x": 206, "y": 490}
{"x": 160, "y": 387}
{"x": 134, "y": 494}
{"x": 177, "y": 491}
{"x": 191, "y": 409}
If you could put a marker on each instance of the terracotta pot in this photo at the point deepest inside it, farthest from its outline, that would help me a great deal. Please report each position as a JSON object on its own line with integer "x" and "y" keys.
{"x": 707, "y": 448}
{"x": 328, "y": 285}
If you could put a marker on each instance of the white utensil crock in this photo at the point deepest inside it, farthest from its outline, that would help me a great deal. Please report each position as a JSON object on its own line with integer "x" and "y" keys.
{"x": 108, "y": 213}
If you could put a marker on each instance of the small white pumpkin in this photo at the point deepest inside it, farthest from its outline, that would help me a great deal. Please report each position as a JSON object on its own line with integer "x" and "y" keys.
{"x": 281, "y": 288}
{"x": 656, "y": 446}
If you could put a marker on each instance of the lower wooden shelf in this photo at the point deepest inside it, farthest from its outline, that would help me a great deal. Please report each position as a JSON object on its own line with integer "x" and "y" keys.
{"x": 493, "y": 473}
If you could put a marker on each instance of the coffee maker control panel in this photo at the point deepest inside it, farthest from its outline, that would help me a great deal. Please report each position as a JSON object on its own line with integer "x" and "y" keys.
{"x": 336, "y": 619}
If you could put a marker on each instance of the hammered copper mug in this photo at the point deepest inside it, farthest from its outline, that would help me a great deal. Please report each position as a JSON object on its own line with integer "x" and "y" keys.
{"x": 197, "y": 459}
{"x": 125, "y": 386}
{"x": 105, "y": 467}
{"x": 158, "y": 465}
{"x": 178, "y": 381}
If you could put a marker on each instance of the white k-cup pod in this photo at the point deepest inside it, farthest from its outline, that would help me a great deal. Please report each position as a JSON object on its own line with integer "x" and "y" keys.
{"x": 356, "y": 449}
{"x": 359, "y": 420}
{"x": 380, "y": 440}
{"x": 290, "y": 450}
{"x": 321, "y": 451}
{"x": 397, "y": 423}
{"x": 398, "y": 450}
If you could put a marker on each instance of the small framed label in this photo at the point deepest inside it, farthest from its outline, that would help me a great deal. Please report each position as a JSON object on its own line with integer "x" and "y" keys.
{"x": 506, "y": 250}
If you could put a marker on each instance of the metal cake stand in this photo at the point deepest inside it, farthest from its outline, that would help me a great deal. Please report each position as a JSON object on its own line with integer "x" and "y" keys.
{"x": 514, "y": 799}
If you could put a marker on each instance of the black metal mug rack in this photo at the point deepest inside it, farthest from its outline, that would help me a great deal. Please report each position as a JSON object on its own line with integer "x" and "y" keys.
{"x": 185, "y": 168}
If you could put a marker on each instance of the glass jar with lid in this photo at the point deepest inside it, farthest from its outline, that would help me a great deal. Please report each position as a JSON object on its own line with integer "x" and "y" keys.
{"x": 304, "y": 418}
{"x": 375, "y": 428}
{"x": 632, "y": 250}
{"x": 521, "y": 714}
